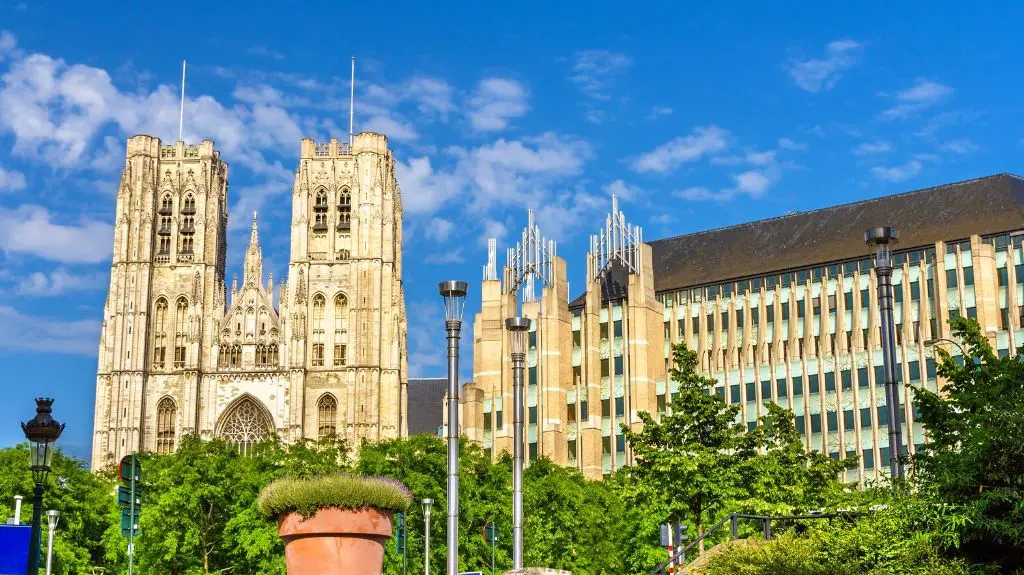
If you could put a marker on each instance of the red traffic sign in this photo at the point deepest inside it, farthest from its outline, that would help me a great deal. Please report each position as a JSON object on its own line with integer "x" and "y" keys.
{"x": 129, "y": 468}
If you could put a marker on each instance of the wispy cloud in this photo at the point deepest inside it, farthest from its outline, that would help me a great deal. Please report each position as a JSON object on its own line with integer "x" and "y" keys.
{"x": 672, "y": 154}
{"x": 59, "y": 282}
{"x": 898, "y": 173}
{"x": 21, "y": 332}
{"x": 872, "y": 148}
{"x": 659, "y": 112}
{"x": 32, "y": 230}
{"x": 11, "y": 180}
{"x": 596, "y": 71}
{"x": 495, "y": 102}
{"x": 822, "y": 74}
{"x": 922, "y": 95}
{"x": 438, "y": 229}
{"x": 264, "y": 52}
{"x": 448, "y": 257}
{"x": 960, "y": 146}
{"x": 788, "y": 144}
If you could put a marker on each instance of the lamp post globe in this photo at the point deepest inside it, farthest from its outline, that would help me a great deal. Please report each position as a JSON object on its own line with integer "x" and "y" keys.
{"x": 42, "y": 432}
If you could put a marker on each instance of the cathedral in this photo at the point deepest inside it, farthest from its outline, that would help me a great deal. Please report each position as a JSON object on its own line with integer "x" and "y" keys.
{"x": 182, "y": 352}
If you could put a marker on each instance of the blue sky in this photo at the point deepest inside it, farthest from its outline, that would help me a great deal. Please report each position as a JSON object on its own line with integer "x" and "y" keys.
{"x": 697, "y": 117}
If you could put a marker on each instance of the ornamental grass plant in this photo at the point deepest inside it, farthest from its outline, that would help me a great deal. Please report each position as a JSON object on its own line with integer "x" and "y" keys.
{"x": 345, "y": 491}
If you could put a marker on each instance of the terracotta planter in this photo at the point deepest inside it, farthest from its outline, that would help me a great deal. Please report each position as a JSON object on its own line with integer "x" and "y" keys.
{"x": 336, "y": 541}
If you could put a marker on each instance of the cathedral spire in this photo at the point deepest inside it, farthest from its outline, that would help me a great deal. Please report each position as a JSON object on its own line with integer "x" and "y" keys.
{"x": 254, "y": 257}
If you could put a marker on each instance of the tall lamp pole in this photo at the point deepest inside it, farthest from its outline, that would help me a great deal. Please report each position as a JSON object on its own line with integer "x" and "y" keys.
{"x": 427, "y": 503}
{"x": 517, "y": 328}
{"x": 881, "y": 238}
{"x": 51, "y": 518}
{"x": 42, "y": 432}
{"x": 454, "y": 294}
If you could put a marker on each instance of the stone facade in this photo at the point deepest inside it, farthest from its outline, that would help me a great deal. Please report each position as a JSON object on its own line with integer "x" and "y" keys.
{"x": 182, "y": 354}
{"x": 782, "y": 310}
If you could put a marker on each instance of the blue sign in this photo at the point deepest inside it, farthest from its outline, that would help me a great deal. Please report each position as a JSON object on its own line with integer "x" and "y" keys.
{"x": 14, "y": 543}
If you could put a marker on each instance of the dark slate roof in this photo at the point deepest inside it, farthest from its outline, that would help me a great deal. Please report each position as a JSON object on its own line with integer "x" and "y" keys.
{"x": 426, "y": 404}
{"x": 990, "y": 205}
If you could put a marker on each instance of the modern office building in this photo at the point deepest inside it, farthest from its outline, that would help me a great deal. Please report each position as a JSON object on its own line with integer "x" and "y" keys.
{"x": 780, "y": 310}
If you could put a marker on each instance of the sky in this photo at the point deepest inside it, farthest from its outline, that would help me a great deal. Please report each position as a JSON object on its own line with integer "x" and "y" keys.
{"x": 696, "y": 116}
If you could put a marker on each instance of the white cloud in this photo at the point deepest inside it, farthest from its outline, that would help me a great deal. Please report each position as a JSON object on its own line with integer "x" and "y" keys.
{"x": 596, "y": 71}
{"x": 31, "y": 230}
{"x": 264, "y": 52}
{"x": 623, "y": 190}
{"x": 395, "y": 129}
{"x": 871, "y": 148}
{"x": 432, "y": 95}
{"x": 761, "y": 158}
{"x": 438, "y": 229}
{"x": 897, "y": 173}
{"x": 788, "y": 144}
{"x": 8, "y": 45}
{"x": 753, "y": 183}
{"x": 495, "y": 102}
{"x": 58, "y": 282}
{"x": 659, "y": 111}
{"x": 672, "y": 154}
{"x": 923, "y": 94}
{"x": 493, "y": 229}
{"x": 701, "y": 193}
{"x": 822, "y": 74}
{"x": 423, "y": 189}
{"x": 448, "y": 257}
{"x": 24, "y": 333}
{"x": 11, "y": 180}
{"x": 960, "y": 146}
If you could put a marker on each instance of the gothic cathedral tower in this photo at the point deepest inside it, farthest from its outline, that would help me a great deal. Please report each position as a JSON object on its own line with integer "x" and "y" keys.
{"x": 177, "y": 357}
{"x": 169, "y": 252}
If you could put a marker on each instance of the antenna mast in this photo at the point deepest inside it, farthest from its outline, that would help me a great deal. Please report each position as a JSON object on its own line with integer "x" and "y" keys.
{"x": 352, "y": 101}
{"x": 181, "y": 111}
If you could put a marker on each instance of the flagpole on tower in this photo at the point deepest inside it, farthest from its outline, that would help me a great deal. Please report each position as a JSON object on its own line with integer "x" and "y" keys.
{"x": 181, "y": 111}
{"x": 352, "y": 101}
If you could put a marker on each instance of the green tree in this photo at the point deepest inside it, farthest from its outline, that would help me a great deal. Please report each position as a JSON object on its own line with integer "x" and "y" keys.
{"x": 85, "y": 501}
{"x": 687, "y": 463}
{"x": 974, "y": 459}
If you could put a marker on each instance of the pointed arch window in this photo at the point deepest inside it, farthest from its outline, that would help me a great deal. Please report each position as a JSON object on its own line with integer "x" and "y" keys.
{"x": 187, "y": 229}
{"x": 344, "y": 211}
{"x": 319, "y": 305}
{"x": 180, "y": 316}
{"x": 340, "y": 319}
{"x": 166, "y": 425}
{"x": 320, "y": 209}
{"x": 164, "y": 229}
{"x": 245, "y": 425}
{"x": 327, "y": 416}
{"x": 160, "y": 334}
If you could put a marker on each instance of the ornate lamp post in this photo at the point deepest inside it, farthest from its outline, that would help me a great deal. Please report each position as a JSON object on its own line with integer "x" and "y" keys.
{"x": 517, "y": 327}
{"x": 51, "y": 518}
{"x": 454, "y": 294}
{"x": 427, "y": 503}
{"x": 42, "y": 432}
{"x": 881, "y": 238}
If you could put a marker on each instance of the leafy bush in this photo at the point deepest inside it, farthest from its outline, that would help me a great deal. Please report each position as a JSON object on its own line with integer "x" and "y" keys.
{"x": 785, "y": 555}
{"x": 347, "y": 491}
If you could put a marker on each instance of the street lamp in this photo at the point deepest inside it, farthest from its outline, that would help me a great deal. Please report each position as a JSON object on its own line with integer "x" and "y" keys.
{"x": 454, "y": 294}
{"x": 42, "y": 432}
{"x": 51, "y": 518}
{"x": 881, "y": 238}
{"x": 517, "y": 328}
{"x": 426, "y": 540}
{"x": 934, "y": 341}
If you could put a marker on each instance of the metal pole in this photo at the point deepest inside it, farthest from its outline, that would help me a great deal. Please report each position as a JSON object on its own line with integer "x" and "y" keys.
{"x": 52, "y": 516}
{"x": 517, "y": 326}
{"x": 426, "y": 540}
{"x": 881, "y": 238}
{"x": 454, "y": 294}
{"x": 17, "y": 509}
{"x": 454, "y": 328}
{"x": 494, "y": 538}
{"x": 34, "y": 542}
{"x": 131, "y": 522}
{"x": 405, "y": 545}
